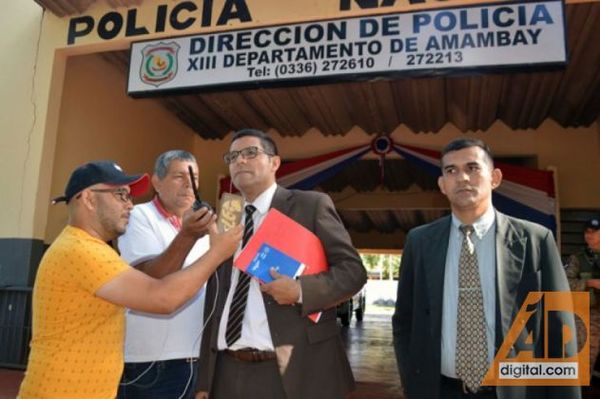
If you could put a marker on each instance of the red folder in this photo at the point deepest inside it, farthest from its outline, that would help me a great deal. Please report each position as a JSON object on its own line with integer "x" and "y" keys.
{"x": 289, "y": 237}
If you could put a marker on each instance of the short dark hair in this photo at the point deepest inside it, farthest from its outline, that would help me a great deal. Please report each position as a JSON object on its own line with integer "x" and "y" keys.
{"x": 265, "y": 140}
{"x": 459, "y": 144}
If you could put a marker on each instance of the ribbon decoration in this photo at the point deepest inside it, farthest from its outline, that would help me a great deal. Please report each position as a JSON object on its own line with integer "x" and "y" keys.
{"x": 382, "y": 145}
{"x": 525, "y": 192}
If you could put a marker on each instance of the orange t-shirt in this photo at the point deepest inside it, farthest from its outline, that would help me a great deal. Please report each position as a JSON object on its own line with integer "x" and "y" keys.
{"x": 77, "y": 343}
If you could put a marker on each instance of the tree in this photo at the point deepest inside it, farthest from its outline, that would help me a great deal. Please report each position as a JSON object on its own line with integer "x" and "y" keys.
{"x": 387, "y": 266}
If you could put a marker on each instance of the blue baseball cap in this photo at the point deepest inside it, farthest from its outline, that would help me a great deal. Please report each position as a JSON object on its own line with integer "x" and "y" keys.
{"x": 593, "y": 224}
{"x": 107, "y": 172}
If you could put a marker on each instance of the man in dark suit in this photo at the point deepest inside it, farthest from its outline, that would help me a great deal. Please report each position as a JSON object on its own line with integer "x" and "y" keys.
{"x": 463, "y": 279}
{"x": 261, "y": 344}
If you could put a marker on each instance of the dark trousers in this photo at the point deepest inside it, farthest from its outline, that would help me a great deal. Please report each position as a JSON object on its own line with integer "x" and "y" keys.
{"x": 238, "y": 379}
{"x": 452, "y": 389}
{"x": 167, "y": 379}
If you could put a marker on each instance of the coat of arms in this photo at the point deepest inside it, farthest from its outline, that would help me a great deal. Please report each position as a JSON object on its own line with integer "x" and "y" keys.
{"x": 159, "y": 63}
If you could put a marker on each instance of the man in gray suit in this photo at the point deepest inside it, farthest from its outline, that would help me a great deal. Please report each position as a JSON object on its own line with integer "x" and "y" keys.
{"x": 260, "y": 343}
{"x": 449, "y": 321}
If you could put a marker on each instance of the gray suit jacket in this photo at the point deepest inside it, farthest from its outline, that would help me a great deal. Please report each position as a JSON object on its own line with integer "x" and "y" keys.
{"x": 311, "y": 358}
{"x": 526, "y": 260}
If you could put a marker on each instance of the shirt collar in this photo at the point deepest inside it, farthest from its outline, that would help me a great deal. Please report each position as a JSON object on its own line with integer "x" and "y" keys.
{"x": 171, "y": 218}
{"x": 481, "y": 225}
{"x": 263, "y": 201}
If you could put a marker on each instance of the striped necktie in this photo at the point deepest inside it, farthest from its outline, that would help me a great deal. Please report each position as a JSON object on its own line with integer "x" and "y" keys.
{"x": 471, "y": 340}
{"x": 240, "y": 295}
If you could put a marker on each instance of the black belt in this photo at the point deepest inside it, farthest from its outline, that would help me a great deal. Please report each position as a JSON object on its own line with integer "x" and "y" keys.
{"x": 185, "y": 359}
{"x": 459, "y": 385}
{"x": 251, "y": 355}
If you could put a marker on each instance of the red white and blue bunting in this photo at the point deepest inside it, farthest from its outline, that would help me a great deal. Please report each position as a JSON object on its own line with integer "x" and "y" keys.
{"x": 525, "y": 192}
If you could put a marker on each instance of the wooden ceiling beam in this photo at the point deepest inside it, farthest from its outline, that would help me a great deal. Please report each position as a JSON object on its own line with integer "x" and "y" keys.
{"x": 313, "y": 108}
{"x": 221, "y": 104}
{"x": 359, "y": 107}
{"x": 386, "y": 102}
{"x": 491, "y": 90}
{"x": 267, "y": 109}
{"x": 239, "y": 105}
{"x": 187, "y": 116}
{"x": 457, "y": 102}
{"x": 293, "y": 120}
{"x": 585, "y": 53}
{"x": 436, "y": 93}
{"x": 216, "y": 125}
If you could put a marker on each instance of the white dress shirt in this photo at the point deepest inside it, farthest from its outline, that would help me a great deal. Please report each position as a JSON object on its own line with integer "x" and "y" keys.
{"x": 485, "y": 248}
{"x": 255, "y": 326}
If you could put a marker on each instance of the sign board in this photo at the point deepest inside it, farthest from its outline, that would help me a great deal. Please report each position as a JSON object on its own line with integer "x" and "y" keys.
{"x": 154, "y": 18}
{"x": 427, "y": 42}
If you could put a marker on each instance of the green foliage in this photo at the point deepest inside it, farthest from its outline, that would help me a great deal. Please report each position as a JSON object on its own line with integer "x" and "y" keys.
{"x": 381, "y": 266}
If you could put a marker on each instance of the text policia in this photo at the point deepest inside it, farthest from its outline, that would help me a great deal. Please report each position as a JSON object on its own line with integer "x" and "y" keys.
{"x": 189, "y": 15}
{"x": 182, "y": 16}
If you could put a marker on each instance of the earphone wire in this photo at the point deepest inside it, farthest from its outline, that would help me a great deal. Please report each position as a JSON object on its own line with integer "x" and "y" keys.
{"x": 210, "y": 315}
{"x": 199, "y": 336}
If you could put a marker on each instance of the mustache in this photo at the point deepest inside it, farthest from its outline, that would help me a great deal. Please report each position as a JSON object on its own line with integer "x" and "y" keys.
{"x": 465, "y": 188}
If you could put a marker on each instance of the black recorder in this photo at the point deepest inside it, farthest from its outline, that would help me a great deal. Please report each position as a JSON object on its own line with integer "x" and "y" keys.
{"x": 198, "y": 203}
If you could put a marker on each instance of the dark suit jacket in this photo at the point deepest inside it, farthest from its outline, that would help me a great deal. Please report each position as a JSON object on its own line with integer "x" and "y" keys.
{"x": 311, "y": 358}
{"x": 526, "y": 260}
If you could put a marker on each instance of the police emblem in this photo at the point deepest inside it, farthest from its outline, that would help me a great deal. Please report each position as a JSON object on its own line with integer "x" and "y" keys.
{"x": 159, "y": 63}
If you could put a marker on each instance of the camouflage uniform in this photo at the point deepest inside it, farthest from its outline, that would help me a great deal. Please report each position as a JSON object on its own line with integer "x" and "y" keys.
{"x": 587, "y": 261}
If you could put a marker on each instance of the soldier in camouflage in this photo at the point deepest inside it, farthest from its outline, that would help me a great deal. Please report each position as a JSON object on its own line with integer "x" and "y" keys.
{"x": 583, "y": 272}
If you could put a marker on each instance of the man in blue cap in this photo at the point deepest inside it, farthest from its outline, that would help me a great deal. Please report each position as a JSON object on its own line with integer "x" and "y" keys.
{"x": 83, "y": 287}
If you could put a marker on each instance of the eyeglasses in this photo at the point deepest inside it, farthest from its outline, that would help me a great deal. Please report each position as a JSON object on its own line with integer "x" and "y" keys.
{"x": 122, "y": 194}
{"x": 246, "y": 153}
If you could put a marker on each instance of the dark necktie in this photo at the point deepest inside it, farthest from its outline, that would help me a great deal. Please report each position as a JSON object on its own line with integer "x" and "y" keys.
{"x": 240, "y": 295}
{"x": 471, "y": 341}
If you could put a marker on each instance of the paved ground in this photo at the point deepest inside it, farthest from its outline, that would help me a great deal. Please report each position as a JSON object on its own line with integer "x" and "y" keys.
{"x": 371, "y": 354}
{"x": 370, "y": 351}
